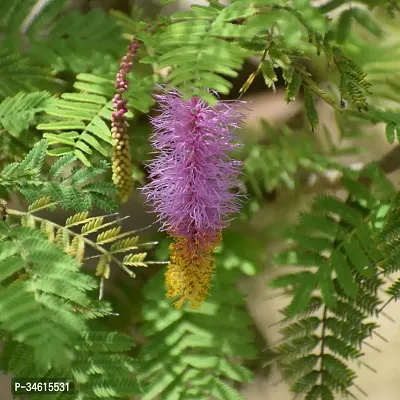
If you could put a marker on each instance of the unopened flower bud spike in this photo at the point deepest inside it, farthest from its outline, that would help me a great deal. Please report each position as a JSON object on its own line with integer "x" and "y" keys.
{"x": 121, "y": 157}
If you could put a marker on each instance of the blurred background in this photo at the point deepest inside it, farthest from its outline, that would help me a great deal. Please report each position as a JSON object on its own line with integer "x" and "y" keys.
{"x": 277, "y": 206}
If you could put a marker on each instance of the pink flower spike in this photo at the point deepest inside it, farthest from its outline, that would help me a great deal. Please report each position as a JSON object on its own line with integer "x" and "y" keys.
{"x": 194, "y": 183}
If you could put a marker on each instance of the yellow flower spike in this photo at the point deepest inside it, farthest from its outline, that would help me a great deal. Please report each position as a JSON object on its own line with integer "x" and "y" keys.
{"x": 189, "y": 273}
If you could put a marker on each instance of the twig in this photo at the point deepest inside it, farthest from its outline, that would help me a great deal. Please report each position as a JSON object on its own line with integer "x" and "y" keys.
{"x": 331, "y": 5}
{"x": 100, "y": 249}
{"x": 35, "y": 11}
{"x": 389, "y": 163}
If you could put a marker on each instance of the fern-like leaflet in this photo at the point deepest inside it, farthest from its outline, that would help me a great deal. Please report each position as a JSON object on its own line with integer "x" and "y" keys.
{"x": 80, "y": 121}
{"x": 39, "y": 287}
{"x": 73, "y": 190}
{"x": 195, "y": 354}
{"x": 13, "y": 67}
{"x": 109, "y": 241}
{"x": 45, "y": 297}
{"x": 336, "y": 291}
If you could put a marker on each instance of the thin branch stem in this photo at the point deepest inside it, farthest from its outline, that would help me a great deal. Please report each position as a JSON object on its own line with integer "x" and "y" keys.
{"x": 331, "y": 5}
{"x": 389, "y": 163}
{"x": 89, "y": 242}
{"x": 322, "y": 350}
{"x": 251, "y": 78}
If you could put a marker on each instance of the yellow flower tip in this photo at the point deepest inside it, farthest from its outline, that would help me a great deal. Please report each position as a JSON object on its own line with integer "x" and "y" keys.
{"x": 189, "y": 273}
{"x": 125, "y": 193}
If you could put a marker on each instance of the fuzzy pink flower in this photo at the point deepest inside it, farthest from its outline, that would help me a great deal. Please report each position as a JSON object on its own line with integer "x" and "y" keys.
{"x": 194, "y": 182}
{"x": 193, "y": 185}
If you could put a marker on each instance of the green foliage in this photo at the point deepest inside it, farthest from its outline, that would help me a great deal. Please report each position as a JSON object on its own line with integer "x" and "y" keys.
{"x": 37, "y": 308}
{"x": 191, "y": 44}
{"x": 380, "y": 112}
{"x": 17, "y": 115}
{"x": 110, "y": 242}
{"x": 77, "y": 42}
{"x": 334, "y": 293}
{"x": 80, "y": 121}
{"x": 388, "y": 247}
{"x": 353, "y": 85}
{"x": 276, "y": 162}
{"x": 73, "y": 189}
{"x": 57, "y": 72}
{"x": 282, "y": 159}
{"x": 364, "y": 18}
{"x": 390, "y": 117}
{"x": 392, "y": 6}
{"x": 196, "y": 354}
{"x": 46, "y": 302}
{"x": 101, "y": 368}
{"x": 206, "y": 44}
{"x": 376, "y": 56}
{"x": 18, "y": 112}
{"x": 18, "y": 74}
{"x": 311, "y": 112}
{"x": 61, "y": 38}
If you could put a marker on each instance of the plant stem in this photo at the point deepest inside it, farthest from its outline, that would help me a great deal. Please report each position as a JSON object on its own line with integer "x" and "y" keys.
{"x": 322, "y": 351}
{"x": 89, "y": 242}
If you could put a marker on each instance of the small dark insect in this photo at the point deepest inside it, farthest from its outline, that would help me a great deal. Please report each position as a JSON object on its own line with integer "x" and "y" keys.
{"x": 342, "y": 104}
{"x": 3, "y": 209}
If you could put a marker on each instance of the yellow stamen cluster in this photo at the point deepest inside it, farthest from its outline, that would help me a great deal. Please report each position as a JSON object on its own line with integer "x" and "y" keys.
{"x": 189, "y": 273}
{"x": 122, "y": 167}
